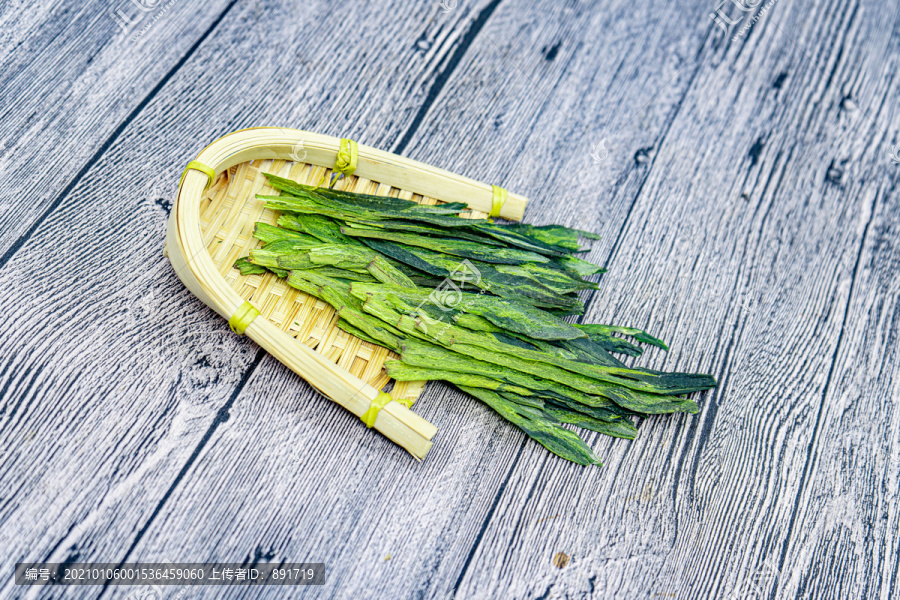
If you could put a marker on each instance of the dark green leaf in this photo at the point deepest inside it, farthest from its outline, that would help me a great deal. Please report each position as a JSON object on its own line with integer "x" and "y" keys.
{"x": 558, "y": 440}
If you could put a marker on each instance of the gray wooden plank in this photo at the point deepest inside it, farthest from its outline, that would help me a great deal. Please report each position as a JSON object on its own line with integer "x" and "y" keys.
{"x": 112, "y": 375}
{"x": 438, "y": 509}
{"x": 71, "y": 73}
{"x": 752, "y": 288}
{"x": 166, "y": 533}
{"x": 285, "y": 480}
{"x": 844, "y": 536}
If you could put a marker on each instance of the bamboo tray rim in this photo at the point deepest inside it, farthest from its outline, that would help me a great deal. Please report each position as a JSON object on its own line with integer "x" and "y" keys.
{"x": 195, "y": 267}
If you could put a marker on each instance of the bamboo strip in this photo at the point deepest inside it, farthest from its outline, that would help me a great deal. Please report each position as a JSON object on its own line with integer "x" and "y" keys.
{"x": 209, "y": 229}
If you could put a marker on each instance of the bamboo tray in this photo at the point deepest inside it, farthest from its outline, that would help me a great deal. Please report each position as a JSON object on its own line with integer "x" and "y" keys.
{"x": 211, "y": 226}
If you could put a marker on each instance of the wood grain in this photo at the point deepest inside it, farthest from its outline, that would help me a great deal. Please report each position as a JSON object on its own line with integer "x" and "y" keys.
{"x": 741, "y": 253}
{"x": 848, "y": 508}
{"x": 748, "y": 209}
{"x": 70, "y": 77}
{"x": 86, "y": 440}
{"x": 430, "y": 537}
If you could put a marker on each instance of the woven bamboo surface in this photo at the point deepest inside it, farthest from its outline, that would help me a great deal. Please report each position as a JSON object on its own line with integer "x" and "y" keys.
{"x": 228, "y": 213}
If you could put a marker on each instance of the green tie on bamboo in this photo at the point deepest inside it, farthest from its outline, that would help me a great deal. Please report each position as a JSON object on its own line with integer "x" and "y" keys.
{"x": 242, "y": 318}
{"x": 347, "y": 159}
{"x": 377, "y": 404}
{"x": 498, "y": 201}
{"x": 199, "y": 166}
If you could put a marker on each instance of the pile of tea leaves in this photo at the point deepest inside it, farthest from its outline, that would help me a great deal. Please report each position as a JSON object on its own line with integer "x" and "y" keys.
{"x": 474, "y": 303}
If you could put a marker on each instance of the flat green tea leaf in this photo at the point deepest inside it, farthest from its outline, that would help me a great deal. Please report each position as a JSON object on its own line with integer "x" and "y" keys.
{"x": 269, "y": 233}
{"x": 403, "y": 372}
{"x": 608, "y": 330}
{"x": 455, "y": 247}
{"x": 558, "y": 440}
{"x": 248, "y": 268}
{"x": 623, "y": 428}
{"x": 471, "y": 302}
{"x": 317, "y": 226}
{"x": 503, "y": 313}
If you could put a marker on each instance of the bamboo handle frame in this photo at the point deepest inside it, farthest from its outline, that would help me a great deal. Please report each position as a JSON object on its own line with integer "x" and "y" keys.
{"x": 194, "y": 266}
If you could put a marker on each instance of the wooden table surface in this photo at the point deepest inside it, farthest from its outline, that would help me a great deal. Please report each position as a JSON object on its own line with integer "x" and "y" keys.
{"x": 749, "y": 204}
